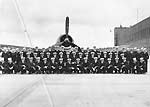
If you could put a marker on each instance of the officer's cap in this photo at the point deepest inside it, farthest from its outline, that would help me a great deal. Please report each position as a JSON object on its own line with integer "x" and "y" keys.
{"x": 22, "y": 58}
{"x": 124, "y": 58}
{"x": 122, "y": 54}
{"x": 95, "y": 58}
{"x": 28, "y": 53}
{"x": 134, "y": 59}
{"x": 52, "y": 58}
{"x": 78, "y": 59}
{"x": 109, "y": 59}
{"x": 69, "y": 59}
{"x": 38, "y": 58}
{"x": 80, "y": 53}
{"x": 60, "y": 53}
{"x": 47, "y": 53}
{"x": 101, "y": 58}
{"x": 141, "y": 58}
{"x": 35, "y": 53}
{"x": 117, "y": 58}
{"x": 42, "y": 53}
{"x": 67, "y": 52}
{"x": 60, "y": 59}
{"x": 92, "y": 52}
{"x": 9, "y": 59}
{"x": 44, "y": 58}
{"x": 55, "y": 53}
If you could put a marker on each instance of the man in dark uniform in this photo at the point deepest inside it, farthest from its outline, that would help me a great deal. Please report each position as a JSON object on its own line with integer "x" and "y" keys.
{"x": 70, "y": 68}
{"x": 45, "y": 66}
{"x": 86, "y": 54}
{"x": 22, "y": 66}
{"x": 95, "y": 65}
{"x": 117, "y": 65}
{"x": 5, "y": 55}
{"x": 86, "y": 66}
{"x": 2, "y": 66}
{"x": 38, "y": 65}
{"x": 78, "y": 66}
{"x": 73, "y": 56}
{"x": 35, "y": 55}
{"x": 124, "y": 66}
{"x": 135, "y": 66}
{"x": 42, "y": 56}
{"x": 105, "y": 55}
{"x": 102, "y": 66}
{"x": 53, "y": 66}
{"x": 109, "y": 66}
{"x": 67, "y": 55}
{"x": 145, "y": 55}
{"x": 31, "y": 66}
{"x": 61, "y": 66}
{"x": 142, "y": 66}
{"x": 99, "y": 55}
{"x": 9, "y": 67}
{"x": 48, "y": 56}
{"x": 36, "y": 50}
{"x": 55, "y": 55}
{"x": 80, "y": 55}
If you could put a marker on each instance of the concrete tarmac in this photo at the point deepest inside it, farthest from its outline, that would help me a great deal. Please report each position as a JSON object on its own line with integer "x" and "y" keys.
{"x": 78, "y": 90}
{"x": 100, "y": 90}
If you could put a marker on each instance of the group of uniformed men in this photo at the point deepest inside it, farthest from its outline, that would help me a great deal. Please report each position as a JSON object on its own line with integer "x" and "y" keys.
{"x": 35, "y": 61}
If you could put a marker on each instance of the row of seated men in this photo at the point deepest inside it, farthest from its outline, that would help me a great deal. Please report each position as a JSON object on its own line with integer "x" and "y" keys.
{"x": 74, "y": 62}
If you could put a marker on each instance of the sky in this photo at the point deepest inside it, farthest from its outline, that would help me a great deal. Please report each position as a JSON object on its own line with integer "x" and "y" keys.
{"x": 92, "y": 22}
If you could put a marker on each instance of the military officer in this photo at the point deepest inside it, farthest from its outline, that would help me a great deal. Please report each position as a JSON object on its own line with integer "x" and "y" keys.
{"x": 9, "y": 67}
{"x": 70, "y": 68}
{"x": 102, "y": 66}
{"x": 95, "y": 65}
{"x": 78, "y": 66}
{"x": 31, "y": 66}
{"x": 86, "y": 65}
{"x": 61, "y": 66}
{"x": 109, "y": 66}
{"x": 124, "y": 66}
{"x": 142, "y": 66}
{"x": 38, "y": 65}
{"x": 53, "y": 66}
{"x": 135, "y": 66}
{"x": 45, "y": 66}
{"x": 22, "y": 66}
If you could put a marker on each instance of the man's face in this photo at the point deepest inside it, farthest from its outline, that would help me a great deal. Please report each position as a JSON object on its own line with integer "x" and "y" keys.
{"x": 116, "y": 60}
{"x": 31, "y": 60}
{"x": 102, "y": 61}
{"x": 45, "y": 61}
{"x": 61, "y": 61}
{"x": 23, "y": 60}
{"x": 85, "y": 60}
{"x": 69, "y": 61}
{"x": 95, "y": 60}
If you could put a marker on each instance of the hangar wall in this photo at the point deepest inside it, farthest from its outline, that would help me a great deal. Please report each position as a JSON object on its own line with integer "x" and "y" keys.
{"x": 137, "y": 35}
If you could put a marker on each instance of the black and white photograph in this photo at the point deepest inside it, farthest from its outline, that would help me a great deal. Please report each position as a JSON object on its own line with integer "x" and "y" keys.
{"x": 74, "y": 53}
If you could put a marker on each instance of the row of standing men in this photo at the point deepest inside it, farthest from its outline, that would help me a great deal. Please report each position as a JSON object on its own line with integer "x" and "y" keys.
{"x": 50, "y": 62}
